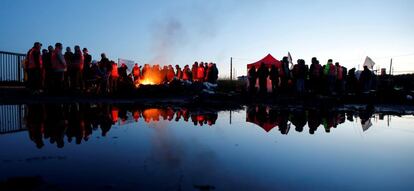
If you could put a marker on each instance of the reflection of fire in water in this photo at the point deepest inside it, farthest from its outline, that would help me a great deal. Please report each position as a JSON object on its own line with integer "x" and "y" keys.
{"x": 151, "y": 114}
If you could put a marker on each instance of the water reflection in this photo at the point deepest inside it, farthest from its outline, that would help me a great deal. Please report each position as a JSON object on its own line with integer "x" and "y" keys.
{"x": 78, "y": 121}
{"x": 270, "y": 117}
{"x": 60, "y": 123}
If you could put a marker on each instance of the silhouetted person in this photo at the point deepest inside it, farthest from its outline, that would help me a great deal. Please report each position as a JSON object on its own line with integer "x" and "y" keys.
{"x": 34, "y": 68}
{"x": 284, "y": 74}
{"x": 252, "y": 77}
{"x": 47, "y": 65}
{"x": 87, "y": 62}
{"x": 59, "y": 68}
{"x": 351, "y": 82}
{"x": 194, "y": 69}
{"x": 262, "y": 74}
{"x": 300, "y": 72}
{"x": 330, "y": 73}
{"x": 274, "y": 77}
{"x": 105, "y": 67}
{"x": 68, "y": 58}
{"x": 365, "y": 79}
{"x": 315, "y": 73}
{"x": 212, "y": 73}
{"x": 339, "y": 78}
{"x": 76, "y": 69}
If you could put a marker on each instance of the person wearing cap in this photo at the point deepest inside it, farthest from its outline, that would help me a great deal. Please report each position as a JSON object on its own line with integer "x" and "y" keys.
{"x": 34, "y": 66}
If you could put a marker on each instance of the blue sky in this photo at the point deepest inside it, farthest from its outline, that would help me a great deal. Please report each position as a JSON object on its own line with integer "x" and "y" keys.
{"x": 181, "y": 32}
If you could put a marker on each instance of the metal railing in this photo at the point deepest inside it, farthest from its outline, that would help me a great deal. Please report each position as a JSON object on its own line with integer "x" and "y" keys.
{"x": 11, "y": 69}
{"x": 11, "y": 119}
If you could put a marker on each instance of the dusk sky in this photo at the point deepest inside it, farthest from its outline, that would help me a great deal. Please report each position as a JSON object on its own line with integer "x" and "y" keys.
{"x": 181, "y": 32}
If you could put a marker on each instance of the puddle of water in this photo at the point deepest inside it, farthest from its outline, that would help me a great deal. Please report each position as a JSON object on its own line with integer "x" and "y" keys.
{"x": 118, "y": 147}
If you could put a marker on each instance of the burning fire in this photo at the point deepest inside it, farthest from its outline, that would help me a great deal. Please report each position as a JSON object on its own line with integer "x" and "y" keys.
{"x": 150, "y": 77}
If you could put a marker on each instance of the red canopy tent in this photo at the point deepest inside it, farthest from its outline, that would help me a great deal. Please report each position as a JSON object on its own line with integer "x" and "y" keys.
{"x": 268, "y": 60}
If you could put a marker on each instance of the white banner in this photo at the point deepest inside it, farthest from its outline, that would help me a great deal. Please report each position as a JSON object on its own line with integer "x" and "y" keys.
{"x": 129, "y": 63}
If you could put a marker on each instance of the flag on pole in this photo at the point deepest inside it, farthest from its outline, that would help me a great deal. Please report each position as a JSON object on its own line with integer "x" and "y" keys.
{"x": 290, "y": 60}
{"x": 369, "y": 63}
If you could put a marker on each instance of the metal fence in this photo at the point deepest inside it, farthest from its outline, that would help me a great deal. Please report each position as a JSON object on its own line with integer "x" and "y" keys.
{"x": 11, "y": 119}
{"x": 11, "y": 67}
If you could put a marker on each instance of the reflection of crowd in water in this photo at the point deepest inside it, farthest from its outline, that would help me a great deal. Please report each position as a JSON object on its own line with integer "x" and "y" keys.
{"x": 268, "y": 118}
{"x": 78, "y": 121}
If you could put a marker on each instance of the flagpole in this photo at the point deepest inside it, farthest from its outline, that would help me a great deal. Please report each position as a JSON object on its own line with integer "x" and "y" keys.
{"x": 231, "y": 68}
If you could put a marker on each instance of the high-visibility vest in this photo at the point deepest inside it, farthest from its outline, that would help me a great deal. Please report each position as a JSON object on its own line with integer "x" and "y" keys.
{"x": 114, "y": 72}
{"x": 56, "y": 63}
{"x": 31, "y": 60}
{"x": 326, "y": 70}
{"x": 200, "y": 73}
{"x": 135, "y": 71}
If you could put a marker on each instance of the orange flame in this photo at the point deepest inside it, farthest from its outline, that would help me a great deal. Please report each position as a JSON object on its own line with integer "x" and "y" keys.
{"x": 150, "y": 77}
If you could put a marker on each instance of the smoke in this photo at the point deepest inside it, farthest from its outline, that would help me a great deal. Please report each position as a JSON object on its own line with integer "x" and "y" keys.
{"x": 166, "y": 37}
{"x": 182, "y": 33}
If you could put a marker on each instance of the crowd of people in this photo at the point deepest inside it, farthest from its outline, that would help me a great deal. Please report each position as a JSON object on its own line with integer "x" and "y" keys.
{"x": 52, "y": 70}
{"x": 330, "y": 79}
{"x": 76, "y": 122}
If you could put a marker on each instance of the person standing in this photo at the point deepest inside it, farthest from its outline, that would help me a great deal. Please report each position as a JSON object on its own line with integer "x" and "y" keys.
{"x": 59, "y": 68}
{"x": 68, "y": 58}
{"x": 252, "y": 77}
{"x": 42, "y": 71}
{"x": 86, "y": 64}
{"x": 194, "y": 69}
{"x": 186, "y": 73}
{"x": 339, "y": 78}
{"x": 200, "y": 72}
{"x": 274, "y": 77}
{"x": 300, "y": 71}
{"x": 205, "y": 71}
{"x": 105, "y": 67}
{"x": 76, "y": 72}
{"x": 47, "y": 65}
{"x": 263, "y": 74}
{"x": 114, "y": 75}
{"x": 178, "y": 72}
{"x": 215, "y": 73}
{"x": 34, "y": 68}
{"x": 315, "y": 76}
{"x": 212, "y": 73}
{"x": 365, "y": 80}
{"x": 136, "y": 72}
{"x": 284, "y": 74}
